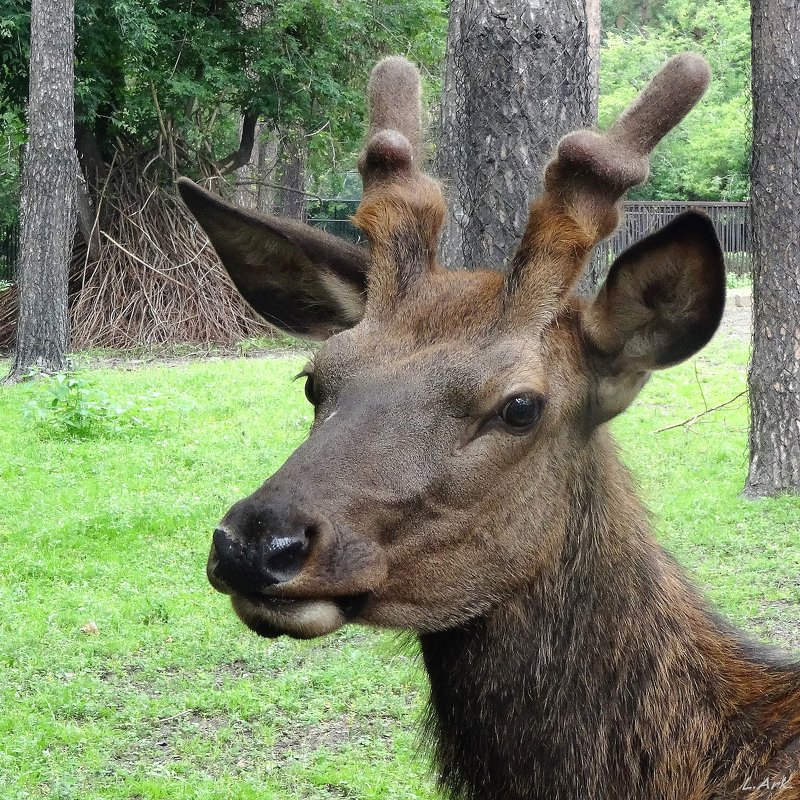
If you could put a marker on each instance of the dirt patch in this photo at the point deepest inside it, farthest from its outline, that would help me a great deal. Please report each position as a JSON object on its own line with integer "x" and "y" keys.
{"x": 779, "y": 623}
{"x": 331, "y": 735}
{"x": 158, "y": 744}
{"x": 737, "y": 322}
{"x": 786, "y": 635}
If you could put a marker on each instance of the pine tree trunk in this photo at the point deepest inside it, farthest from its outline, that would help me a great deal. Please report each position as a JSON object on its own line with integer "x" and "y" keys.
{"x": 48, "y": 193}
{"x": 594, "y": 27}
{"x": 246, "y": 193}
{"x": 293, "y": 178}
{"x": 256, "y": 181}
{"x": 517, "y": 78}
{"x": 267, "y": 164}
{"x": 774, "y": 378}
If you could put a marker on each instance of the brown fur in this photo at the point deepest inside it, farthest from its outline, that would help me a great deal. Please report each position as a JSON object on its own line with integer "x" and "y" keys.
{"x": 568, "y": 657}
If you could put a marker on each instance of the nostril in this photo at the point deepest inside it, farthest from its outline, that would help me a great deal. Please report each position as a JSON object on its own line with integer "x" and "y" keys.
{"x": 247, "y": 557}
{"x": 286, "y": 554}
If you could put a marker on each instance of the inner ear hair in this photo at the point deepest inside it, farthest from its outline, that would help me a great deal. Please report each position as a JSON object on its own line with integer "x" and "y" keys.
{"x": 347, "y": 296}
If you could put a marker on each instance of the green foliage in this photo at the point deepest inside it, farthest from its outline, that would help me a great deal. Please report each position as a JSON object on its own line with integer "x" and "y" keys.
{"x": 187, "y": 70}
{"x": 12, "y": 137}
{"x": 706, "y": 158}
{"x": 69, "y": 405}
{"x": 734, "y": 281}
{"x": 170, "y": 78}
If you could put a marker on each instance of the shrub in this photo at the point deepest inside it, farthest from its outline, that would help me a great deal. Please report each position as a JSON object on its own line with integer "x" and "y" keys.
{"x": 67, "y": 404}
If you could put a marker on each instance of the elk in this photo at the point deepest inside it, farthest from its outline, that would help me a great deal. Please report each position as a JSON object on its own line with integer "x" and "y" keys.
{"x": 459, "y": 480}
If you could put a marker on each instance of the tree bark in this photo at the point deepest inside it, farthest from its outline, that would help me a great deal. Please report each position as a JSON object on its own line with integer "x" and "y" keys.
{"x": 87, "y": 223}
{"x": 293, "y": 178}
{"x": 256, "y": 180}
{"x": 594, "y": 28}
{"x": 267, "y": 163}
{"x": 774, "y": 377}
{"x": 48, "y": 193}
{"x": 517, "y": 78}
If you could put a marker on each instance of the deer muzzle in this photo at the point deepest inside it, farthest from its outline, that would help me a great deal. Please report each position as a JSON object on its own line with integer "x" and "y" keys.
{"x": 290, "y": 572}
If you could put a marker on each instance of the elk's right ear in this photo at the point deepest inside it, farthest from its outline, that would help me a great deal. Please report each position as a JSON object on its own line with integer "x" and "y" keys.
{"x": 302, "y": 280}
{"x": 661, "y": 303}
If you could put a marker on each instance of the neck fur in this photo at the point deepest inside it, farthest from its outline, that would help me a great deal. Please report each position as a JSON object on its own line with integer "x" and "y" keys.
{"x": 608, "y": 678}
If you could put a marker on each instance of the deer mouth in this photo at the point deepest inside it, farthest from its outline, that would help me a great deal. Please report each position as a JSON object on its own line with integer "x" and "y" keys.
{"x": 299, "y": 617}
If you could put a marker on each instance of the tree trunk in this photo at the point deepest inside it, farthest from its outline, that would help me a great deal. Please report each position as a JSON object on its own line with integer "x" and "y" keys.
{"x": 774, "y": 379}
{"x": 246, "y": 193}
{"x": 267, "y": 164}
{"x": 256, "y": 180}
{"x": 517, "y": 78}
{"x": 594, "y": 27}
{"x": 293, "y": 178}
{"x": 48, "y": 193}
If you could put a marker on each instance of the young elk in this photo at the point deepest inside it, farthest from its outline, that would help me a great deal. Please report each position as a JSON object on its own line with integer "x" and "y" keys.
{"x": 460, "y": 481}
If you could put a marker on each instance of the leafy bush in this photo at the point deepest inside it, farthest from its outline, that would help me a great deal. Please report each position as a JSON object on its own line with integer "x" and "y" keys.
{"x": 741, "y": 264}
{"x": 706, "y": 157}
{"x": 735, "y": 281}
{"x": 66, "y": 404}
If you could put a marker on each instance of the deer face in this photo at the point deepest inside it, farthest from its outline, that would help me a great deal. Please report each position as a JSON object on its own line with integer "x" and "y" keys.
{"x": 451, "y": 408}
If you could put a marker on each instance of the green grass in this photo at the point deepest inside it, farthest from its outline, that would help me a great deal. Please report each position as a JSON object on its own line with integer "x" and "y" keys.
{"x": 173, "y": 698}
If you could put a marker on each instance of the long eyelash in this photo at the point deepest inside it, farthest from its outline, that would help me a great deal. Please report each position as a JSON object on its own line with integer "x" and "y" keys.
{"x": 306, "y": 372}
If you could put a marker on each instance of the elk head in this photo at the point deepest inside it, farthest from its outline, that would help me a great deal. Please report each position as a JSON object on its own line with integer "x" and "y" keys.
{"x": 452, "y": 409}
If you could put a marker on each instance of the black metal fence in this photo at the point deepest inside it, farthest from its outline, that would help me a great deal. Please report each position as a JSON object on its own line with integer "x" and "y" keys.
{"x": 333, "y": 216}
{"x": 639, "y": 219}
{"x": 732, "y": 221}
{"x": 9, "y": 251}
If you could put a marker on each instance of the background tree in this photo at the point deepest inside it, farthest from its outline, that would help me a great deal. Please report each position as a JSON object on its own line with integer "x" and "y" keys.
{"x": 48, "y": 193}
{"x": 706, "y": 157}
{"x": 774, "y": 378}
{"x": 165, "y": 88}
{"x": 516, "y": 80}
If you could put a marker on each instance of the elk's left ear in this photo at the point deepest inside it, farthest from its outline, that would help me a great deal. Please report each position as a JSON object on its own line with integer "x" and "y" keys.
{"x": 661, "y": 303}
{"x": 303, "y": 280}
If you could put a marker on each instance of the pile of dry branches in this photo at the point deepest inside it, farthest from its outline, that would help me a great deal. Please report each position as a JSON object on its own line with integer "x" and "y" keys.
{"x": 153, "y": 278}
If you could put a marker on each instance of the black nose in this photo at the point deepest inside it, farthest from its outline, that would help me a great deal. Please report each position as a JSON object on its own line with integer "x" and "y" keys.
{"x": 248, "y": 565}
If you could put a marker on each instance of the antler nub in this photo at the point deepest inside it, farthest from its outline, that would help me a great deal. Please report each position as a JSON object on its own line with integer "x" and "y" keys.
{"x": 387, "y": 151}
{"x": 401, "y": 210}
{"x": 592, "y": 171}
{"x": 395, "y": 101}
{"x": 618, "y": 158}
{"x": 667, "y": 99}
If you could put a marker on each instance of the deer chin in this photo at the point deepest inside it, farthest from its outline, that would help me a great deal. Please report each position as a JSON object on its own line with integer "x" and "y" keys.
{"x": 300, "y": 618}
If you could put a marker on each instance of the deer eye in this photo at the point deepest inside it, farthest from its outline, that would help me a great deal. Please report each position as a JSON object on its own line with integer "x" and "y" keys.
{"x": 521, "y": 411}
{"x": 310, "y": 389}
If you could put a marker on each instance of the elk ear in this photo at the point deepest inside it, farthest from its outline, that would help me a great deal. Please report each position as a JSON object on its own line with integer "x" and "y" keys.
{"x": 303, "y": 280}
{"x": 661, "y": 303}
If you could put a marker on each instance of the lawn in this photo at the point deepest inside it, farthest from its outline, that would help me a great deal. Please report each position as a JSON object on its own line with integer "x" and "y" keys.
{"x": 171, "y": 697}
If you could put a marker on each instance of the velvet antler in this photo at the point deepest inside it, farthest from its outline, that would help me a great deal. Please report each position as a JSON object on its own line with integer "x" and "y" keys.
{"x": 402, "y": 210}
{"x": 587, "y": 177}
